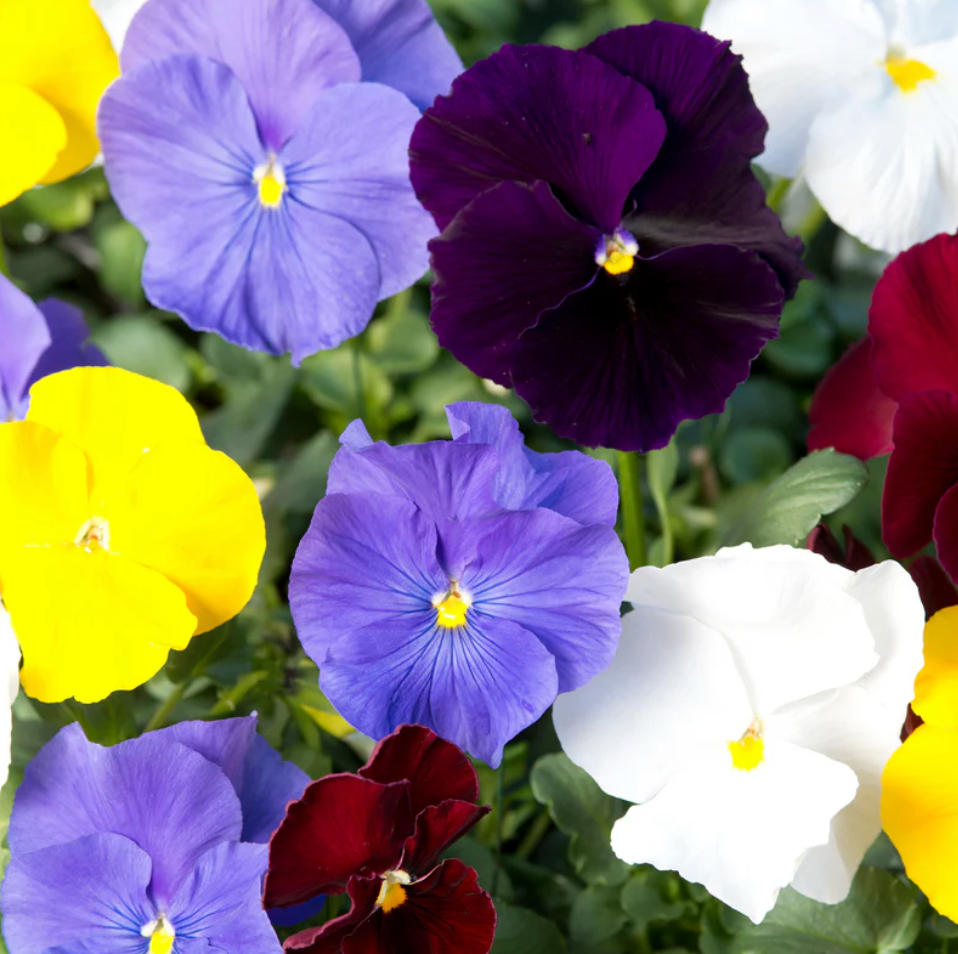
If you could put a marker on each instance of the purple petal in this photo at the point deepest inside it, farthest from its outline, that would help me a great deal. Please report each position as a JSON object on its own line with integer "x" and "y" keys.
{"x": 69, "y": 335}
{"x": 476, "y": 687}
{"x": 289, "y": 917}
{"x": 399, "y": 44}
{"x": 226, "y": 743}
{"x": 570, "y": 483}
{"x": 513, "y": 253}
{"x": 538, "y": 112}
{"x": 92, "y": 890}
{"x": 558, "y": 580}
{"x": 165, "y": 797}
{"x": 270, "y": 783}
{"x": 621, "y": 365}
{"x": 221, "y": 901}
{"x": 284, "y": 53}
{"x": 24, "y": 336}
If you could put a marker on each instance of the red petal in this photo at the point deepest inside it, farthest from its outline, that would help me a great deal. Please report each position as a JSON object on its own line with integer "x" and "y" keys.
{"x": 922, "y": 469}
{"x": 946, "y": 532}
{"x": 436, "y": 769}
{"x": 914, "y": 320}
{"x": 849, "y": 411}
{"x": 853, "y": 556}
{"x": 936, "y": 589}
{"x": 444, "y": 913}
{"x": 343, "y": 825}
{"x": 437, "y": 827}
{"x": 329, "y": 938}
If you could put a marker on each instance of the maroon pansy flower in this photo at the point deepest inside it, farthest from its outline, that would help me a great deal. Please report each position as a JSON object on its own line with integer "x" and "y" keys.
{"x": 606, "y": 248}
{"x": 378, "y": 835}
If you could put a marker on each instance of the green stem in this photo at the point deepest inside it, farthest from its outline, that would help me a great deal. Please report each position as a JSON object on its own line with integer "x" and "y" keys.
{"x": 358, "y": 380}
{"x": 630, "y": 492}
{"x": 500, "y": 805}
{"x": 166, "y": 707}
{"x": 812, "y": 223}
{"x": 537, "y": 831}
{"x": 400, "y": 303}
{"x": 776, "y": 194}
{"x": 4, "y": 266}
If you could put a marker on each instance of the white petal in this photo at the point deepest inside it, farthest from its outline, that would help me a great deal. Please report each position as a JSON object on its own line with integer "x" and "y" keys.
{"x": 798, "y": 54}
{"x": 9, "y": 687}
{"x": 850, "y": 726}
{"x": 918, "y": 22}
{"x": 741, "y": 834}
{"x": 116, "y": 16}
{"x": 793, "y": 629}
{"x": 671, "y": 691}
{"x": 882, "y": 162}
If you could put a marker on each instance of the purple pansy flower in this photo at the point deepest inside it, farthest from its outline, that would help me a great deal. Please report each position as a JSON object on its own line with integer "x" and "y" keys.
{"x": 459, "y": 584}
{"x": 606, "y": 249}
{"x": 261, "y": 147}
{"x": 35, "y": 341}
{"x": 158, "y": 843}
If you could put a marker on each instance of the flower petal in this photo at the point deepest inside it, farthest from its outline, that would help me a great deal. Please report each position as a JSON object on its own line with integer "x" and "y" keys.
{"x": 935, "y": 586}
{"x": 437, "y": 828}
{"x": 342, "y": 826}
{"x": 849, "y": 411}
{"x": 921, "y": 470}
{"x": 329, "y": 937}
{"x": 40, "y": 133}
{"x": 623, "y": 366}
{"x": 946, "y": 532}
{"x": 399, "y": 44}
{"x": 532, "y": 113}
{"x": 914, "y": 320}
{"x": 9, "y": 687}
{"x": 68, "y": 346}
{"x": 316, "y": 53}
{"x": 24, "y": 336}
{"x": 936, "y": 700}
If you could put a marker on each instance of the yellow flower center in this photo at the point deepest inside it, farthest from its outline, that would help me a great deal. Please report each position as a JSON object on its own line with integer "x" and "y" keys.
{"x": 161, "y": 935}
{"x": 907, "y": 74}
{"x": 748, "y": 752}
{"x": 393, "y": 891}
{"x": 272, "y": 183}
{"x": 94, "y": 535}
{"x": 451, "y": 612}
{"x": 616, "y": 253}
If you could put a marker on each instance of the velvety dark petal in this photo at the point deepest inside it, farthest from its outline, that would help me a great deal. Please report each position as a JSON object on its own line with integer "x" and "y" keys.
{"x": 853, "y": 554}
{"x": 849, "y": 411}
{"x": 246, "y": 36}
{"x": 444, "y": 913}
{"x": 366, "y": 559}
{"x": 328, "y": 938}
{"x": 24, "y": 336}
{"x": 922, "y": 468}
{"x": 438, "y": 827}
{"x": 476, "y": 686}
{"x": 914, "y": 320}
{"x": 561, "y": 581}
{"x": 935, "y": 586}
{"x": 537, "y": 112}
{"x": 436, "y": 769}
{"x": 343, "y": 825}
{"x": 570, "y": 483}
{"x": 512, "y": 254}
{"x": 622, "y": 365}
{"x": 946, "y": 532}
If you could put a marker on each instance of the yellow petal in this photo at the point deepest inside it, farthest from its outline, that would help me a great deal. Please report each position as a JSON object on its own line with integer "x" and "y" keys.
{"x": 113, "y": 416}
{"x": 920, "y": 812}
{"x": 192, "y": 514}
{"x": 91, "y": 622}
{"x": 936, "y": 688}
{"x": 33, "y": 133}
{"x": 43, "y": 489}
{"x": 60, "y": 50}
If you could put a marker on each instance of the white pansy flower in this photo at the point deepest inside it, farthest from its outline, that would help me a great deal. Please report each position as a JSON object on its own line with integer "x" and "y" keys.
{"x": 752, "y": 704}
{"x": 116, "y": 17}
{"x": 861, "y": 98}
{"x": 9, "y": 687}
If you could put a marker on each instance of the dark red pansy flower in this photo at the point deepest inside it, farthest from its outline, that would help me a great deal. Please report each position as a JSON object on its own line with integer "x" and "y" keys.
{"x": 378, "y": 835}
{"x": 606, "y": 249}
{"x": 852, "y": 554}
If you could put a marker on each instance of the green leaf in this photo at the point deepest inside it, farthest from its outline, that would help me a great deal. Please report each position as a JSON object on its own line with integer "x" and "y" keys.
{"x": 879, "y": 916}
{"x": 63, "y": 206}
{"x": 302, "y": 482}
{"x": 661, "y": 469}
{"x": 521, "y": 931}
{"x": 788, "y": 509}
{"x": 584, "y": 812}
{"x": 142, "y": 344}
{"x": 596, "y": 918}
{"x": 348, "y": 382}
{"x": 754, "y": 454}
{"x": 122, "y": 249}
{"x": 402, "y": 342}
{"x": 646, "y": 898}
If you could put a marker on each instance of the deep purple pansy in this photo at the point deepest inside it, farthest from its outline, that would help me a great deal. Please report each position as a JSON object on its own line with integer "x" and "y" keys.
{"x": 606, "y": 249}
{"x": 35, "y": 341}
{"x": 157, "y": 844}
{"x": 459, "y": 584}
{"x": 261, "y": 148}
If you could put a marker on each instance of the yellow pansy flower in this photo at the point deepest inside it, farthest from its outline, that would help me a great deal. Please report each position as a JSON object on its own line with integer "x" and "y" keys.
{"x": 920, "y": 783}
{"x": 122, "y": 534}
{"x": 55, "y": 62}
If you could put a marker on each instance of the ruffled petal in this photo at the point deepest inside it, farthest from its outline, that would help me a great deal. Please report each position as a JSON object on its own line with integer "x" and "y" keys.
{"x": 437, "y": 828}
{"x": 39, "y": 132}
{"x": 850, "y": 411}
{"x": 532, "y": 113}
{"x": 316, "y": 52}
{"x": 936, "y": 688}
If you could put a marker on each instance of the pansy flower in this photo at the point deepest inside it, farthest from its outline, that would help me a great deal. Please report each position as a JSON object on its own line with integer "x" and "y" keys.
{"x": 111, "y": 499}
{"x": 157, "y": 844}
{"x": 9, "y": 687}
{"x": 244, "y": 140}
{"x": 860, "y": 99}
{"x": 753, "y": 703}
{"x": 55, "y": 63}
{"x": 459, "y": 584}
{"x": 606, "y": 249}
{"x": 379, "y": 835}
{"x": 37, "y": 340}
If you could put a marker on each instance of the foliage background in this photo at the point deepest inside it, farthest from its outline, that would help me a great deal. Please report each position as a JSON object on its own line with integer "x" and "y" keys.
{"x": 543, "y": 852}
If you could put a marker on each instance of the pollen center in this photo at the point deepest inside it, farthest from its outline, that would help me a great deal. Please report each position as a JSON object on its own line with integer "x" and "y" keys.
{"x": 393, "y": 891}
{"x": 272, "y": 183}
{"x": 616, "y": 253}
{"x": 93, "y": 535}
{"x": 161, "y": 935}
{"x": 907, "y": 74}
{"x": 451, "y": 612}
{"x": 748, "y": 752}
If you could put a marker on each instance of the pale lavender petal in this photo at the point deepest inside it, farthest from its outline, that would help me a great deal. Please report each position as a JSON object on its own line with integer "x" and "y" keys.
{"x": 69, "y": 341}
{"x": 269, "y": 784}
{"x": 24, "y": 336}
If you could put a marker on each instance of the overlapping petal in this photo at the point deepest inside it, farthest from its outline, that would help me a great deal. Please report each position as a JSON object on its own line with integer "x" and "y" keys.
{"x": 26, "y": 117}
{"x": 936, "y": 699}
